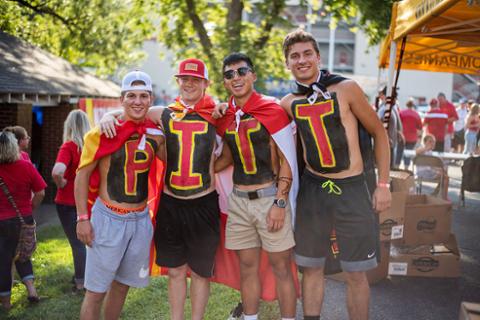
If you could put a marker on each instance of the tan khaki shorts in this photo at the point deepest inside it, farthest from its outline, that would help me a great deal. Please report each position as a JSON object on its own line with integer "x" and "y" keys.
{"x": 247, "y": 225}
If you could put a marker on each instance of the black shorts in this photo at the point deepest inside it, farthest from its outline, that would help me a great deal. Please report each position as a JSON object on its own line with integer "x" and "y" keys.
{"x": 341, "y": 204}
{"x": 458, "y": 138}
{"x": 188, "y": 232}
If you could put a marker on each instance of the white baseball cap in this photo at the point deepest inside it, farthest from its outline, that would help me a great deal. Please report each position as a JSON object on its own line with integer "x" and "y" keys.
{"x": 136, "y": 75}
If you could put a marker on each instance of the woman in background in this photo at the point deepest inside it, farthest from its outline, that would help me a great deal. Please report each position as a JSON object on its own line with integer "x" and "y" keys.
{"x": 472, "y": 127}
{"x": 21, "y": 179}
{"x": 63, "y": 174}
{"x": 23, "y": 140}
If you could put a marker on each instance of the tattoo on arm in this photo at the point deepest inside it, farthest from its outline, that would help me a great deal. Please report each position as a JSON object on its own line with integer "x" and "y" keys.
{"x": 287, "y": 182}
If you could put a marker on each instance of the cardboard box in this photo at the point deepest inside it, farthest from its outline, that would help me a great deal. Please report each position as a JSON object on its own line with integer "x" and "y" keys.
{"x": 374, "y": 275}
{"x": 469, "y": 311}
{"x": 427, "y": 220}
{"x": 437, "y": 260}
{"x": 391, "y": 221}
{"x": 402, "y": 181}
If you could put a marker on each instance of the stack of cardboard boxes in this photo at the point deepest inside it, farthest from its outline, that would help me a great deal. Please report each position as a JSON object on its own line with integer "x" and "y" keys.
{"x": 415, "y": 236}
{"x": 424, "y": 245}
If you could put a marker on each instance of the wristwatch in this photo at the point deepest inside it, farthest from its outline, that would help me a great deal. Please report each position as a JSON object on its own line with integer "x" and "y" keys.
{"x": 281, "y": 203}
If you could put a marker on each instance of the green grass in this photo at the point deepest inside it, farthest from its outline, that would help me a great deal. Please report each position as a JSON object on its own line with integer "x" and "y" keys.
{"x": 53, "y": 268}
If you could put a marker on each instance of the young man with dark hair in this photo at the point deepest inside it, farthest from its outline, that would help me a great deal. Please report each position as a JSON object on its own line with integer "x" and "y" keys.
{"x": 187, "y": 230}
{"x": 448, "y": 108}
{"x": 119, "y": 231}
{"x": 259, "y": 141}
{"x": 328, "y": 111}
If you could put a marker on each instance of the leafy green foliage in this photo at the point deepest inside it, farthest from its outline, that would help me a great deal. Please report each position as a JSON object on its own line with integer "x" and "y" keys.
{"x": 96, "y": 34}
{"x": 373, "y": 16}
{"x": 210, "y": 30}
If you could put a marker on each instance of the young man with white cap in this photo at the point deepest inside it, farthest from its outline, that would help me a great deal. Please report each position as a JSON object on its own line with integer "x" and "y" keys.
{"x": 188, "y": 219}
{"x": 119, "y": 230}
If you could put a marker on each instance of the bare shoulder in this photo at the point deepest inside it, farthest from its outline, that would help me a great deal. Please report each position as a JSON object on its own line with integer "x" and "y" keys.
{"x": 348, "y": 89}
{"x": 286, "y": 103}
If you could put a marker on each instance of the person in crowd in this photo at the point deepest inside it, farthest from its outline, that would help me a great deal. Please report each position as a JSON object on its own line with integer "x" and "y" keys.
{"x": 395, "y": 129}
{"x": 472, "y": 127}
{"x": 458, "y": 141}
{"x": 448, "y": 108}
{"x": 412, "y": 127}
{"x": 23, "y": 139}
{"x": 328, "y": 110}
{"x": 120, "y": 231}
{"x": 435, "y": 123}
{"x": 63, "y": 173}
{"x": 426, "y": 172}
{"x": 21, "y": 180}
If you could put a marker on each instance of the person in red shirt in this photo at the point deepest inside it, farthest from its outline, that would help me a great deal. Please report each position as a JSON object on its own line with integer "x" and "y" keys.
{"x": 23, "y": 140}
{"x": 412, "y": 128}
{"x": 63, "y": 173}
{"x": 436, "y": 122}
{"x": 21, "y": 179}
{"x": 447, "y": 107}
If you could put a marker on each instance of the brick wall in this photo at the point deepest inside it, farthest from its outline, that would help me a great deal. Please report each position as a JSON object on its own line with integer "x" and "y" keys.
{"x": 52, "y": 132}
{"x": 8, "y": 115}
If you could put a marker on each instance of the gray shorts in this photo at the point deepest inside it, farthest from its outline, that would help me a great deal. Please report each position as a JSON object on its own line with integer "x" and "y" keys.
{"x": 120, "y": 250}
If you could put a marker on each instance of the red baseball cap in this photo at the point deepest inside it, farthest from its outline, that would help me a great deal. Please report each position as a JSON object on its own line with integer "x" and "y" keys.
{"x": 433, "y": 101}
{"x": 192, "y": 67}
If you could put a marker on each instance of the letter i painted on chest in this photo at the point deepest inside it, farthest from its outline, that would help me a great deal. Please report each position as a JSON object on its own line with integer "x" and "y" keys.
{"x": 315, "y": 115}
{"x": 244, "y": 143}
{"x": 136, "y": 162}
{"x": 184, "y": 178}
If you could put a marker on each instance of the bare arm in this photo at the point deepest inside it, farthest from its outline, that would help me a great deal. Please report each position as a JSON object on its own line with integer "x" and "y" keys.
{"x": 285, "y": 103}
{"x": 224, "y": 160}
{"x": 84, "y": 228}
{"x": 37, "y": 199}
{"x": 369, "y": 119}
{"x": 57, "y": 174}
{"x": 276, "y": 215}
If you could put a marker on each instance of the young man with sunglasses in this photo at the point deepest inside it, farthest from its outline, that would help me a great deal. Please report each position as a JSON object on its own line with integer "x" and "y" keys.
{"x": 328, "y": 111}
{"x": 258, "y": 139}
{"x": 187, "y": 230}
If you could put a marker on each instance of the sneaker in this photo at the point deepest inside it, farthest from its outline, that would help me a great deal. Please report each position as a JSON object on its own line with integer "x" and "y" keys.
{"x": 236, "y": 312}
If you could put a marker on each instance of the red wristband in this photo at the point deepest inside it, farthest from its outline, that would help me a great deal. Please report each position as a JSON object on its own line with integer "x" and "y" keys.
{"x": 82, "y": 217}
{"x": 383, "y": 185}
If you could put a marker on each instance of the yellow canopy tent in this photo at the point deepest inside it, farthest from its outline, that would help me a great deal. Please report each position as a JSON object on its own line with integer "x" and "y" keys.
{"x": 436, "y": 35}
{"x": 440, "y": 35}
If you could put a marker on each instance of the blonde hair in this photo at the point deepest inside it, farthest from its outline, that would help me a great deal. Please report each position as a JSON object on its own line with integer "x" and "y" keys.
{"x": 75, "y": 127}
{"x": 9, "y": 151}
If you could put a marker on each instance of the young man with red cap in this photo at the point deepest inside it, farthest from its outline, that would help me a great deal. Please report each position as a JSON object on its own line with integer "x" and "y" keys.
{"x": 113, "y": 175}
{"x": 329, "y": 112}
{"x": 188, "y": 219}
{"x": 259, "y": 141}
{"x": 448, "y": 108}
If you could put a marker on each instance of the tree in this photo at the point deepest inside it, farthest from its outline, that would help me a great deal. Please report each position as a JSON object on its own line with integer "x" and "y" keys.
{"x": 97, "y": 34}
{"x": 210, "y": 30}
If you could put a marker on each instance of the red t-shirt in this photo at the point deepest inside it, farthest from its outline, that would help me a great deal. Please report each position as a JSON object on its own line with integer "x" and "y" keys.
{"x": 25, "y": 156}
{"x": 450, "y": 110}
{"x": 21, "y": 179}
{"x": 411, "y": 122}
{"x": 69, "y": 155}
{"x": 436, "y": 121}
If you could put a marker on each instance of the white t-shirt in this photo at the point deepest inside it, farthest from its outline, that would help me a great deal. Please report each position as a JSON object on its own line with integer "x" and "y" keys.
{"x": 462, "y": 115}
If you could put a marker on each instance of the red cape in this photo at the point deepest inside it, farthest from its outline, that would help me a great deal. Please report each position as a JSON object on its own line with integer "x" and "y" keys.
{"x": 262, "y": 108}
{"x": 97, "y": 146}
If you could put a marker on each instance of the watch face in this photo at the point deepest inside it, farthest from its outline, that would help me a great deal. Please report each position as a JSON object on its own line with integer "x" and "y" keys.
{"x": 281, "y": 203}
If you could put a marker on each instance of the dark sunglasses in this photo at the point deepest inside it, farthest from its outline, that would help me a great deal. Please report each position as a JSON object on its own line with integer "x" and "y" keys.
{"x": 242, "y": 72}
